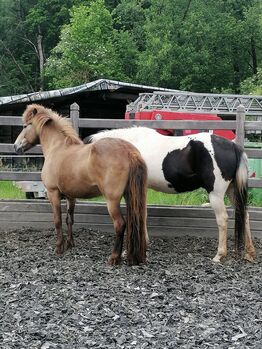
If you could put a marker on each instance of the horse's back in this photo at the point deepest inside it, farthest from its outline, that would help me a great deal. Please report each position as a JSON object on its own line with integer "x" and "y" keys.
{"x": 179, "y": 164}
{"x": 112, "y": 151}
{"x": 110, "y": 161}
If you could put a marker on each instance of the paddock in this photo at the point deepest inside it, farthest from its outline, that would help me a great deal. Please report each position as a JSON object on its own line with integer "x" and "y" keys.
{"x": 178, "y": 299}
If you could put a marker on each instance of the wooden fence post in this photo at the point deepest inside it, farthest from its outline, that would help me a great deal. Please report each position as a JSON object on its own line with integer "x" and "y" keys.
{"x": 74, "y": 116}
{"x": 240, "y": 125}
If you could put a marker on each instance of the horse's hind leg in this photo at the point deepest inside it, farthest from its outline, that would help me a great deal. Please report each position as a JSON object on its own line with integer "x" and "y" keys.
{"x": 54, "y": 198}
{"x": 217, "y": 203}
{"x": 114, "y": 211}
{"x": 70, "y": 221}
{"x": 250, "y": 251}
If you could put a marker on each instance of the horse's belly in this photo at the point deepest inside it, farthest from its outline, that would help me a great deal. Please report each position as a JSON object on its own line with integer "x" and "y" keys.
{"x": 80, "y": 192}
{"x": 156, "y": 179}
{"x": 162, "y": 187}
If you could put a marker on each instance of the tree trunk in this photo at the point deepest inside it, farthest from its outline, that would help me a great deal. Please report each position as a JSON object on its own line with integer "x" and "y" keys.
{"x": 253, "y": 55}
{"x": 41, "y": 57}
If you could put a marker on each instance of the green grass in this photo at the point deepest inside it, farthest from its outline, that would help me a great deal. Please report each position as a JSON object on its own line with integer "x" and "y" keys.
{"x": 255, "y": 197}
{"x": 196, "y": 197}
{"x": 8, "y": 190}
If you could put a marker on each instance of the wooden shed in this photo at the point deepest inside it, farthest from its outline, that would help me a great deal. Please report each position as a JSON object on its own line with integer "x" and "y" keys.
{"x": 101, "y": 99}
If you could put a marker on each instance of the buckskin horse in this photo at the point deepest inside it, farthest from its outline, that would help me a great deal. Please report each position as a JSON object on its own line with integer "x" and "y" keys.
{"x": 111, "y": 167}
{"x": 185, "y": 163}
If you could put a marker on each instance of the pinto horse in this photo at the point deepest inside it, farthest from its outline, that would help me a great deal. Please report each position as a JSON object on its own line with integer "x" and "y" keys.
{"x": 186, "y": 163}
{"x": 111, "y": 167}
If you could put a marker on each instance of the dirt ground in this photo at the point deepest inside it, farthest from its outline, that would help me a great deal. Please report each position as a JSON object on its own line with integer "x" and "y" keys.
{"x": 179, "y": 299}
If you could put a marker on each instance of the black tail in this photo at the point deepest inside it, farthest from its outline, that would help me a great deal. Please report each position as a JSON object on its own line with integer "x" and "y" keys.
{"x": 135, "y": 197}
{"x": 241, "y": 196}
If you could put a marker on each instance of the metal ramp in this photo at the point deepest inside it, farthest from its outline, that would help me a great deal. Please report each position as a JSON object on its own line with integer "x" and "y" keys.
{"x": 196, "y": 102}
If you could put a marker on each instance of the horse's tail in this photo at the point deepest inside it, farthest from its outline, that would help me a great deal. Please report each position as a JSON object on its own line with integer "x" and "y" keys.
{"x": 241, "y": 195}
{"x": 135, "y": 197}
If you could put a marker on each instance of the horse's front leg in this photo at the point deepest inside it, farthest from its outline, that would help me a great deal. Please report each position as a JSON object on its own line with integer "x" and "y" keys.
{"x": 113, "y": 207}
{"x": 55, "y": 200}
{"x": 70, "y": 221}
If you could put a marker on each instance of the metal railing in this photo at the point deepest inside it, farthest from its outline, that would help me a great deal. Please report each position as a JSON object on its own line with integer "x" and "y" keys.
{"x": 196, "y": 102}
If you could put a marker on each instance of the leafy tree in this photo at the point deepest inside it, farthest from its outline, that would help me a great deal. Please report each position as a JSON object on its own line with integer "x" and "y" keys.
{"x": 129, "y": 16}
{"x": 28, "y": 31}
{"x": 199, "y": 46}
{"x": 194, "y": 45}
{"x": 16, "y": 63}
{"x": 126, "y": 54}
{"x": 44, "y": 22}
{"x": 85, "y": 51}
{"x": 253, "y": 85}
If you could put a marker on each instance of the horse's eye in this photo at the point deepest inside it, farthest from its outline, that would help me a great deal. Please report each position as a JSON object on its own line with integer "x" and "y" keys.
{"x": 24, "y": 126}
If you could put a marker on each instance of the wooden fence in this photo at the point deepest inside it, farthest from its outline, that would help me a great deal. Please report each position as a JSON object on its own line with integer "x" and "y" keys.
{"x": 162, "y": 220}
{"x": 165, "y": 221}
{"x": 240, "y": 126}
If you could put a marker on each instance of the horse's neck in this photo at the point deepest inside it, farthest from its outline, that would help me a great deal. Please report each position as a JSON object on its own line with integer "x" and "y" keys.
{"x": 51, "y": 138}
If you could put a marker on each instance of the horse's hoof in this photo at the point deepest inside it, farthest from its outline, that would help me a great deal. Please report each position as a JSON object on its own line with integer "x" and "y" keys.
{"x": 114, "y": 260}
{"x": 249, "y": 258}
{"x": 219, "y": 257}
{"x": 133, "y": 262}
{"x": 59, "y": 250}
{"x": 69, "y": 244}
{"x": 216, "y": 259}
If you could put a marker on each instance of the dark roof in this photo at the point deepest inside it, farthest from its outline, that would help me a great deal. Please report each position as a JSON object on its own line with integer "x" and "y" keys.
{"x": 97, "y": 85}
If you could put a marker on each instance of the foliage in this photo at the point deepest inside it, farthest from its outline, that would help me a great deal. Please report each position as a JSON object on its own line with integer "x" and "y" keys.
{"x": 208, "y": 46}
{"x": 50, "y": 15}
{"x": 253, "y": 84}
{"x": 188, "y": 48}
{"x": 20, "y": 25}
{"x": 85, "y": 51}
{"x": 16, "y": 63}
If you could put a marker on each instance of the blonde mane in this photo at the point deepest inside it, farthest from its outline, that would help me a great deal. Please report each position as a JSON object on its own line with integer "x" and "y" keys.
{"x": 39, "y": 116}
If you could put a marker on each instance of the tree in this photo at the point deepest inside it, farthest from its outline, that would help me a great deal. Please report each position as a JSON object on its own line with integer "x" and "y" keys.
{"x": 129, "y": 16}
{"x": 16, "y": 62}
{"x": 85, "y": 51}
{"x": 193, "y": 45}
{"x": 29, "y": 29}
{"x": 197, "y": 45}
{"x": 44, "y": 22}
{"x": 253, "y": 84}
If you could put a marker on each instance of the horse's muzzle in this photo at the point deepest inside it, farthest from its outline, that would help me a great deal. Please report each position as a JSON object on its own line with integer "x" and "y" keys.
{"x": 18, "y": 149}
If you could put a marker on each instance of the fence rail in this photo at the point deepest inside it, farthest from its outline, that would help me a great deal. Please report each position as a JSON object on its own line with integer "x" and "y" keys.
{"x": 240, "y": 126}
{"x": 164, "y": 221}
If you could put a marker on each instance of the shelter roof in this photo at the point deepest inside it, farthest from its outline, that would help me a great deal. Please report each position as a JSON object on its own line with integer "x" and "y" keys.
{"x": 97, "y": 85}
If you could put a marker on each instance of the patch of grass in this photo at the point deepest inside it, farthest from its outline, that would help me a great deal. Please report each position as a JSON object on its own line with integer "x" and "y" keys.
{"x": 196, "y": 197}
{"x": 255, "y": 197}
{"x": 8, "y": 190}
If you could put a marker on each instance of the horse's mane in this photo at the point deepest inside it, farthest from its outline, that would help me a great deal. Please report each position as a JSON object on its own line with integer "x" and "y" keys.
{"x": 38, "y": 115}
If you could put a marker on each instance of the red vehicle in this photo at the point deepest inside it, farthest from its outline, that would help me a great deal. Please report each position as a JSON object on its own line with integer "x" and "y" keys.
{"x": 172, "y": 115}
